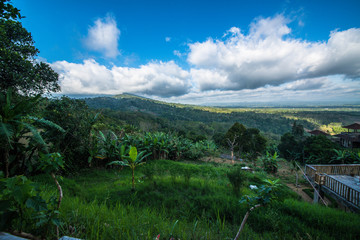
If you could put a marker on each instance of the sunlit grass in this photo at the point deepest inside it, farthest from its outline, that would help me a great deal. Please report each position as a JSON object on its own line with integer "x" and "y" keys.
{"x": 99, "y": 204}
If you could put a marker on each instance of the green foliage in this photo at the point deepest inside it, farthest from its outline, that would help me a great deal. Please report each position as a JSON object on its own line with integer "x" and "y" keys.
{"x": 18, "y": 68}
{"x": 270, "y": 162}
{"x": 106, "y": 207}
{"x": 237, "y": 178}
{"x": 290, "y": 148}
{"x": 297, "y": 130}
{"x": 23, "y": 208}
{"x": 77, "y": 121}
{"x": 263, "y": 195}
{"x": 319, "y": 149}
{"x": 345, "y": 156}
{"x": 51, "y": 162}
{"x": 16, "y": 124}
{"x": 132, "y": 161}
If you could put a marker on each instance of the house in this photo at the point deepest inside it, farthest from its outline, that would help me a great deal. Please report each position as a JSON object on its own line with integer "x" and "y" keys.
{"x": 351, "y": 138}
{"x": 317, "y": 132}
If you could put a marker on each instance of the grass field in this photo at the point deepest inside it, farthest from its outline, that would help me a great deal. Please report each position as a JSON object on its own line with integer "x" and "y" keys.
{"x": 186, "y": 201}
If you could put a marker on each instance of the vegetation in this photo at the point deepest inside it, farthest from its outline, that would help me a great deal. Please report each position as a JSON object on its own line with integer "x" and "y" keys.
{"x": 176, "y": 196}
{"x": 18, "y": 68}
{"x": 99, "y": 204}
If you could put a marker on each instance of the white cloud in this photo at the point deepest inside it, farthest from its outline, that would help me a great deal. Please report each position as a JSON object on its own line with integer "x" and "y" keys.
{"x": 167, "y": 39}
{"x": 103, "y": 37}
{"x": 178, "y": 53}
{"x": 267, "y": 55}
{"x": 266, "y": 64}
{"x": 163, "y": 79}
{"x": 323, "y": 89}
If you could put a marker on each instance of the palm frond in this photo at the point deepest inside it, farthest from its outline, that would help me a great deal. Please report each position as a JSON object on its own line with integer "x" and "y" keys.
{"x": 47, "y": 123}
{"x": 35, "y": 133}
{"x": 120, "y": 163}
{"x": 7, "y": 131}
{"x": 25, "y": 105}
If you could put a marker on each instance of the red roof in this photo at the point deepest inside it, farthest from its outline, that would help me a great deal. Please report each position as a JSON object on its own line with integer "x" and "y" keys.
{"x": 318, "y": 132}
{"x": 353, "y": 126}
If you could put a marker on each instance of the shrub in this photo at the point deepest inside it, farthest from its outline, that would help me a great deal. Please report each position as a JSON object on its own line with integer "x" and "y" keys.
{"x": 237, "y": 177}
{"x": 270, "y": 162}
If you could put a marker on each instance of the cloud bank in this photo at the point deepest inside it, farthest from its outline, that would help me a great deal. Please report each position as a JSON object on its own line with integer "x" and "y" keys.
{"x": 103, "y": 37}
{"x": 266, "y": 61}
{"x": 162, "y": 79}
{"x": 269, "y": 56}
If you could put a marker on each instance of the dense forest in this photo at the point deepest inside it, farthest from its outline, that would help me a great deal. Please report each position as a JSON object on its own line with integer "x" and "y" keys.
{"x": 127, "y": 167}
{"x": 274, "y": 122}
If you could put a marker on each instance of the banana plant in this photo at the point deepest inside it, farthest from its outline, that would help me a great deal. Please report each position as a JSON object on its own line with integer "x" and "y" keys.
{"x": 134, "y": 160}
{"x": 15, "y": 122}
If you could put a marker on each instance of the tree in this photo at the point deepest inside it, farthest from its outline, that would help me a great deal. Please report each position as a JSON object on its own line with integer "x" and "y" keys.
{"x": 234, "y": 137}
{"x": 319, "y": 149}
{"x": 264, "y": 195}
{"x": 75, "y": 117}
{"x": 253, "y": 141}
{"x": 18, "y": 67}
{"x": 297, "y": 130}
{"x": 289, "y": 147}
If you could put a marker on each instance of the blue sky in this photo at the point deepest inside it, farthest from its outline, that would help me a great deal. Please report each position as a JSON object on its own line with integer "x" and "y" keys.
{"x": 201, "y": 51}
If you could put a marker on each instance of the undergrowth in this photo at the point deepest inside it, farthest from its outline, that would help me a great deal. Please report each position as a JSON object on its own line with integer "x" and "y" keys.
{"x": 187, "y": 201}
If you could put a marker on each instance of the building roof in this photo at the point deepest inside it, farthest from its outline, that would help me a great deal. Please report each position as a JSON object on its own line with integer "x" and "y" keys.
{"x": 353, "y": 126}
{"x": 318, "y": 132}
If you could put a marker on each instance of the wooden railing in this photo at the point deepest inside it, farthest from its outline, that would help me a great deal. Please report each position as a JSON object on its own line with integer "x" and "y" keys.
{"x": 341, "y": 169}
{"x": 343, "y": 190}
{"x": 320, "y": 175}
{"x": 310, "y": 171}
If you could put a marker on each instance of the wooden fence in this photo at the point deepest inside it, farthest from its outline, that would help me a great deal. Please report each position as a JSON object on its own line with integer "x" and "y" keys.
{"x": 341, "y": 169}
{"x": 350, "y": 194}
{"x": 320, "y": 175}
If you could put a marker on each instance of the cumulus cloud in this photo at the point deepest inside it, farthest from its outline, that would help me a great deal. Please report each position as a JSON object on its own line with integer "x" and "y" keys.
{"x": 268, "y": 55}
{"x": 267, "y": 63}
{"x": 103, "y": 37}
{"x": 333, "y": 88}
{"x": 162, "y": 79}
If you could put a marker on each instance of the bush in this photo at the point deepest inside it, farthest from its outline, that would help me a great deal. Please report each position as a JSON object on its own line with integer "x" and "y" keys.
{"x": 237, "y": 177}
{"x": 270, "y": 162}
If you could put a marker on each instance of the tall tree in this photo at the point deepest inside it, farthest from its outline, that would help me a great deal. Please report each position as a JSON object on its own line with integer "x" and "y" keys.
{"x": 19, "y": 68}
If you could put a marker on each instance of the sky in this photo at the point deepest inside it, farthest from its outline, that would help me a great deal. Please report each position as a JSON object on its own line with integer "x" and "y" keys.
{"x": 201, "y": 52}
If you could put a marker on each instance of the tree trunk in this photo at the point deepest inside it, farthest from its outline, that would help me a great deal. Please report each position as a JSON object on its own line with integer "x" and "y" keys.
{"x": 6, "y": 162}
{"x": 244, "y": 221}
{"x": 60, "y": 198}
{"x": 133, "y": 179}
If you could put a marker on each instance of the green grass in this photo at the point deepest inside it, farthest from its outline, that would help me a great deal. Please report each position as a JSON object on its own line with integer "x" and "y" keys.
{"x": 99, "y": 204}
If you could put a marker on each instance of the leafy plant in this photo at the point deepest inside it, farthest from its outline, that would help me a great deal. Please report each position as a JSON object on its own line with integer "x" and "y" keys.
{"x": 237, "y": 177}
{"x": 270, "y": 162}
{"x": 263, "y": 196}
{"x": 16, "y": 123}
{"x": 23, "y": 208}
{"x": 133, "y": 160}
{"x": 51, "y": 163}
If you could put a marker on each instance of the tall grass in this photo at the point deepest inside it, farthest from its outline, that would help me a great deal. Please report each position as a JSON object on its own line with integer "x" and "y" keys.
{"x": 99, "y": 204}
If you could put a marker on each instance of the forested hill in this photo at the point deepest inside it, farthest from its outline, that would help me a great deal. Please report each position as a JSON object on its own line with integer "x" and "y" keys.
{"x": 266, "y": 122}
{"x": 135, "y": 109}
